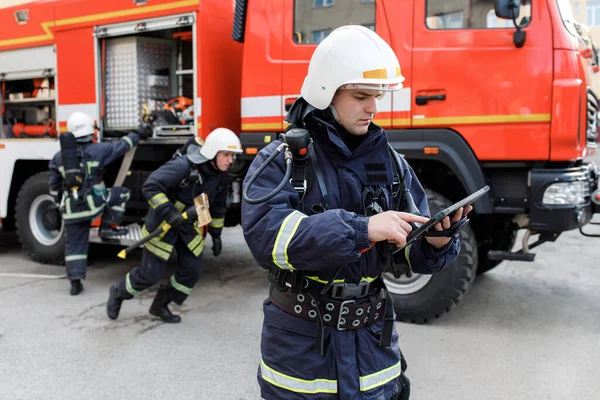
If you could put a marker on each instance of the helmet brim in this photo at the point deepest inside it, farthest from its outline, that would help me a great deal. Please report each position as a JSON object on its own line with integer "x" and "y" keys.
{"x": 85, "y": 139}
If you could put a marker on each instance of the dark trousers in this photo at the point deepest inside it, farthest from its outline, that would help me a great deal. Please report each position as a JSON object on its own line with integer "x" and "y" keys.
{"x": 76, "y": 251}
{"x": 152, "y": 269}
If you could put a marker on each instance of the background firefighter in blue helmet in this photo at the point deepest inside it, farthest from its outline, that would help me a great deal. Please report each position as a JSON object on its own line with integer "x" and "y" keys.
{"x": 328, "y": 329}
{"x": 91, "y": 198}
{"x": 170, "y": 190}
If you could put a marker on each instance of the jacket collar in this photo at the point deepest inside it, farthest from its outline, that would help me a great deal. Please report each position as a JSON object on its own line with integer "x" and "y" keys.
{"x": 327, "y": 133}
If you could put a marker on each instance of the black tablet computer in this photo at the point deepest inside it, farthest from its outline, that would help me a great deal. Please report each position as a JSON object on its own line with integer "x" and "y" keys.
{"x": 420, "y": 231}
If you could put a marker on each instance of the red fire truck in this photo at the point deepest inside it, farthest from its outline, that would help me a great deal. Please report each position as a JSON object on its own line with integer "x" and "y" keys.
{"x": 493, "y": 95}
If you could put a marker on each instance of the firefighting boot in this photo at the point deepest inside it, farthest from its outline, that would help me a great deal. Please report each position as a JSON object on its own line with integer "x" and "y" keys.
{"x": 109, "y": 231}
{"x": 117, "y": 295}
{"x": 76, "y": 287}
{"x": 159, "y": 306}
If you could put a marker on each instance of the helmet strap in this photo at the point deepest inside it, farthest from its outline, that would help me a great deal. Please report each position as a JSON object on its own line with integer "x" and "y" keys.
{"x": 334, "y": 113}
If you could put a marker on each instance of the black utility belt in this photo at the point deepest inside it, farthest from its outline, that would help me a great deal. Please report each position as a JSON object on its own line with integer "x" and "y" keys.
{"x": 335, "y": 290}
{"x": 340, "y": 314}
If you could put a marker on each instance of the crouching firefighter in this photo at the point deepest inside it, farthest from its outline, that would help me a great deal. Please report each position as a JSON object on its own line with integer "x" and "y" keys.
{"x": 195, "y": 169}
{"x": 78, "y": 189}
{"x": 324, "y": 235}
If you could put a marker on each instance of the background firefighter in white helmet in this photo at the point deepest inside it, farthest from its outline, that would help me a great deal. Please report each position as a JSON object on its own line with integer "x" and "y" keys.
{"x": 328, "y": 330}
{"x": 170, "y": 190}
{"x": 78, "y": 189}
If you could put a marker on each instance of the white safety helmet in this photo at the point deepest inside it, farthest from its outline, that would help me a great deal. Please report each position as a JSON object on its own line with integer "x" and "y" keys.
{"x": 221, "y": 139}
{"x": 80, "y": 125}
{"x": 351, "y": 55}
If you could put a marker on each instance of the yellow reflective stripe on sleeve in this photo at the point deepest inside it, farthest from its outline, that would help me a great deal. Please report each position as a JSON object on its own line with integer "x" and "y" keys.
{"x": 130, "y": 288}
{"x": 217, "y": 223}
{"x": 382, "y": 377}
{"x": 158, "y": 200}
{"x": 406, "y": 255}
{"x": 75, "y": 257}
{"x": 61, "y": 170}
{"x": 294, "y": 384}
{"x": 178, "y": 286}
{"x": 284, "y": 237}
{"x": 179, "y": 206}
{"x": 129, "y": 142}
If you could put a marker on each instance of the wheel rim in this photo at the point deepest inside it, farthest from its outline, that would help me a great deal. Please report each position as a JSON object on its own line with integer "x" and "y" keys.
{"x": 404, "y": 284}
{"x": 39, "y": 206}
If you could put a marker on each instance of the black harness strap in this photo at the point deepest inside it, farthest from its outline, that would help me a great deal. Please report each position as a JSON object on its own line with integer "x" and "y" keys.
{"x": 317, "y": 168}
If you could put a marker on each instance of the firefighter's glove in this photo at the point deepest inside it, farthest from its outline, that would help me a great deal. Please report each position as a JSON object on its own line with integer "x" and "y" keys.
{"x": 217, "y": 246}
{"x": 144, "y": 131}
{"x": 175, "y": 219}
{"x": 192, "y": 214}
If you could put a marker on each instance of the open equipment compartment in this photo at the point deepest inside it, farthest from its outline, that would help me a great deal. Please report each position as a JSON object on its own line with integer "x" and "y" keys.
{"x": 27, "y": 93}
{"x": 146, "y": 68}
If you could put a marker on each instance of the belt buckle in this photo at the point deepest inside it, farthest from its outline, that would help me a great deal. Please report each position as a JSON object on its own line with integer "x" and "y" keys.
{"x": 345, "y": 290}
{"x": 341, "y": 320}
{"x": 300, "y": 188}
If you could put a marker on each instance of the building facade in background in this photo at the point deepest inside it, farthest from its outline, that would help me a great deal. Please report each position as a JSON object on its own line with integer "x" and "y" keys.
{"x": 588, "y": 12}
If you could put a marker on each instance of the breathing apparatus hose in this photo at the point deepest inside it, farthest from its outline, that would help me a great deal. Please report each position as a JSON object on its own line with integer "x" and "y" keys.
{"x": 286, "y": 178}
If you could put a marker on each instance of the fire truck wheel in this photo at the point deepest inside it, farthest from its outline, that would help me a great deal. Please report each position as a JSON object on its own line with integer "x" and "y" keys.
{"x": 422, "y": 298}
{"x": 42, "y": 242}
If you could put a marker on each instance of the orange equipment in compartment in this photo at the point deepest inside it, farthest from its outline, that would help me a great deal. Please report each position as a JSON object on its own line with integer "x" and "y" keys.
{"x": 49, "y": 128}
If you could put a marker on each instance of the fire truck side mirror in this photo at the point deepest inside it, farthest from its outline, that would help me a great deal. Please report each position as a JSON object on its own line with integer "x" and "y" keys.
{"x": 507, "y": 9}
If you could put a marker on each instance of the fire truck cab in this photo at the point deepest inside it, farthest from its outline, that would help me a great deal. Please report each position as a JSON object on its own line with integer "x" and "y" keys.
{"x": 497, "y": 93}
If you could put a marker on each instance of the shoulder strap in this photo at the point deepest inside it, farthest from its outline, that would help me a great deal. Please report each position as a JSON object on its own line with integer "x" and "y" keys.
{"x": 398, "y": 178}
{"x": 317, "y": 168}
{"x": 403, "y": 195}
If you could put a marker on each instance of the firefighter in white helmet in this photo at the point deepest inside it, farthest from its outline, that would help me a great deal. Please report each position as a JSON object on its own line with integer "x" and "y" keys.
{"x": 328, "y": 330}
{"x": 76, "y": 173}
{"x": 195, "y": 169}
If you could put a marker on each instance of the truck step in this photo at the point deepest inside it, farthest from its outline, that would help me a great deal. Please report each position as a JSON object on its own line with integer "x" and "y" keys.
{"x": 507, "y": 255}
{"x": 134, "y": 234}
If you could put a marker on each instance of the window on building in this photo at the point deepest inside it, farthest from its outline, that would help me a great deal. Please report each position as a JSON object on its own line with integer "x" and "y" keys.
{"x": 318, "y": 36}
{"x": 322, "y": 3}
{"x": 593, "y": 13}
{"x": 315, "y": 20}
{"x": 470, "y": 14}
{"x": 577, "y": 11}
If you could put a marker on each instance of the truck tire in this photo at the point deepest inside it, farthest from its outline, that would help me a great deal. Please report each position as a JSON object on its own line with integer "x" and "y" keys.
{"x": 422, "y": 298}
{"x": 43, "y": 245}
{"x": 502, "y": 239}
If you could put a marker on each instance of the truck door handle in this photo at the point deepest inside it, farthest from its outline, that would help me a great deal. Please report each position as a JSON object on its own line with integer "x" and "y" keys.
{"x": 422, "y": 100}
